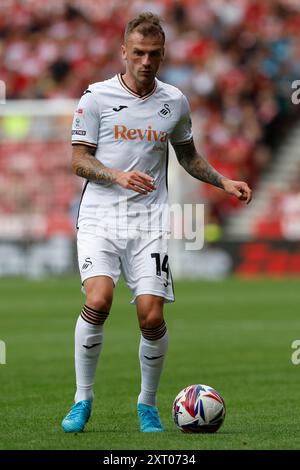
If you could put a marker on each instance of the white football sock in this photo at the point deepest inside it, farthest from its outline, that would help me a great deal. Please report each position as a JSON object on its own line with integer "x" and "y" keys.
{"x": 151, "y": 355}
{"x": 86, "y": 358}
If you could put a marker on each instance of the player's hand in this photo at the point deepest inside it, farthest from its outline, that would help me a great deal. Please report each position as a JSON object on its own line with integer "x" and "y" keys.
{"x": 136, "y": 181}
{"x": 239, "y": 189}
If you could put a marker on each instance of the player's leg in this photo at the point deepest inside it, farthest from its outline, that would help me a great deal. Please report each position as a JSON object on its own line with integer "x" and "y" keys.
{"x": 99, "y": 274}
{"x": 152, "y": 352}
{"x": 89, "y": 333}
{"x": 153, "y": 345}
{"x": 145, "y": 268}
{"x": 88, "y": 344}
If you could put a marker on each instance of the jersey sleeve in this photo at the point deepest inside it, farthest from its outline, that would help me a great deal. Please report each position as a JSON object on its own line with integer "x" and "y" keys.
{"x": 182, "y": 133}
{"x": 86, "y": 121}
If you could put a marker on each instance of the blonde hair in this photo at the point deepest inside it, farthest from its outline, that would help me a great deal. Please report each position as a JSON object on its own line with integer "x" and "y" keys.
{"x": 146, "y": 24}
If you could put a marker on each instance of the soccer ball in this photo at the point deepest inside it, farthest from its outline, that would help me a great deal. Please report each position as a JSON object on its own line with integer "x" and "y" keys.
{"x": 198, "y": 408}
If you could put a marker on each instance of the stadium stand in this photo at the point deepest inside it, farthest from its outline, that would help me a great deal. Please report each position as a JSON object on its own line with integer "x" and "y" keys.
{"x": 36, "y": 185}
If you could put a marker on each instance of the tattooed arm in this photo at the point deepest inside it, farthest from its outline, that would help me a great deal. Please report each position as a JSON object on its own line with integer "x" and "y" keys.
{"x": 196, "y": 165}
{"x": 84, "y": 164}
{"x": 199, "y": 168}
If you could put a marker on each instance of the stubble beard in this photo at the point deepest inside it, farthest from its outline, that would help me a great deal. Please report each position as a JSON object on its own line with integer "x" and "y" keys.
{"x": 146, "y": 79}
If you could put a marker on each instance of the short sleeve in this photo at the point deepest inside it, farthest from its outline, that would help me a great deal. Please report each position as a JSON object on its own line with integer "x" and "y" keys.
{"x": 182, "y": 133}
{"x": 86, "y": 122}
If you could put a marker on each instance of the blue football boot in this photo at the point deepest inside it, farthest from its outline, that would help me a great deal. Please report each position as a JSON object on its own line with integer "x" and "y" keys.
{"x": 77, "y": 417}
{"x": 149, "y": 418}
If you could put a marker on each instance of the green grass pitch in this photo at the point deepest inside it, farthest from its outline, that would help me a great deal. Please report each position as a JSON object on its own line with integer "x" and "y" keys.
{"x": 233, "y": 335}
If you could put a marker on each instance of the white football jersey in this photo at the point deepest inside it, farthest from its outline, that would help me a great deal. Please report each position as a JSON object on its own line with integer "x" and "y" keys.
{"x": 129, "y": 132}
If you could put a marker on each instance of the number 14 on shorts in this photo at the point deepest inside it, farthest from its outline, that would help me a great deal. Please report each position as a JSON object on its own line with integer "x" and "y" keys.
{"x": 161, "y": 264}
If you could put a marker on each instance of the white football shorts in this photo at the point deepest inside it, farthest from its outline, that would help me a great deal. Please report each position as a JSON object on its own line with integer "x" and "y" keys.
{"x": 143, "y": 262}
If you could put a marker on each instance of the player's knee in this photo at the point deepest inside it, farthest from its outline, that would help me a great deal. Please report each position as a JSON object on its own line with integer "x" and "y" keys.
{"x": 155, "y": 328}
{"x": 99, "y": 293}
{"x": 99, "y": 302}
{"x": 152, "y": 320}
{"x": 150, "y": 311}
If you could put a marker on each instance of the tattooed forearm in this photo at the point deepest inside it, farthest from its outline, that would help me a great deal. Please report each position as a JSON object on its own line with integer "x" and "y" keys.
{"x": 86, "y": 166}
{"x": 92, "y": 173}
{"x": 196, "y": 165}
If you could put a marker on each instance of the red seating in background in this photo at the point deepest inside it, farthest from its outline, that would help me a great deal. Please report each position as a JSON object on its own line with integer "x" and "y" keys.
{"x": 36, "y": 178}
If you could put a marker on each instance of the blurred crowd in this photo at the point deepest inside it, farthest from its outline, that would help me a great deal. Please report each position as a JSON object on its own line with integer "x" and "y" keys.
{"x": 234, "y": 59}
{"x": 281, "y": 219}
{"x": 37, "y": 190}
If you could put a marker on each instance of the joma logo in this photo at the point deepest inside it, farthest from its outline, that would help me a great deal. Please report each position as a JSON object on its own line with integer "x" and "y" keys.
{"x": 122, "y": 133}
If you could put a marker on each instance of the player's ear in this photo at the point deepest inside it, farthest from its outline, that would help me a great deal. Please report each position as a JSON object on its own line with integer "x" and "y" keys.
{"x": 123, "y": 52}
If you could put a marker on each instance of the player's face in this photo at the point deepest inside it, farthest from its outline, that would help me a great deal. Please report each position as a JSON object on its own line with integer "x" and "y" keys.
{"x": 143, "y": 56}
